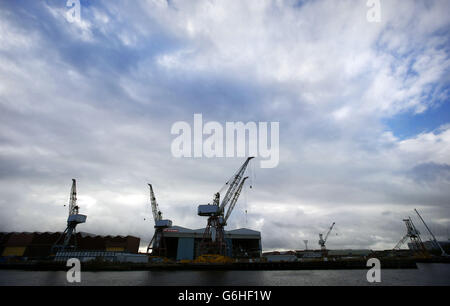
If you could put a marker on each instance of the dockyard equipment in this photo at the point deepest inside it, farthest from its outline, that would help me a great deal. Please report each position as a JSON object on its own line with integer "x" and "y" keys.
{"x": 437, "y": 244}
{"x": 322, "y": 240}
{"x": 414, "y": 235}
{"x": 158, "y": 243}
{"x": 72, "y": 221}
{"x": 213, "y": 241}
{"x": 213, "y": 259}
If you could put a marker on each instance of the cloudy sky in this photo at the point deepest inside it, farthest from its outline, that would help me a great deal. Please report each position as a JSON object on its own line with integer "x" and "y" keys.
{"x": 363, "y": 109}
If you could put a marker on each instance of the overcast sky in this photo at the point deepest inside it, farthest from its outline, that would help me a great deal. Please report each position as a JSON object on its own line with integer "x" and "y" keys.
{"x": 363, "y": 109}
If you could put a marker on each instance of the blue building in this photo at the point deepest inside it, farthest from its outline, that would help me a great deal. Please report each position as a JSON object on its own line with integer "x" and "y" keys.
{"x": 183, "y": 243}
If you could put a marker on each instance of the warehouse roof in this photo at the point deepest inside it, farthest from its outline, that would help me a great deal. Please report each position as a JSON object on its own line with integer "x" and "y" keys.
{"x": 178, "y": 231}
{"x": 83, "y": 234}
{"x": 244, "y": 231}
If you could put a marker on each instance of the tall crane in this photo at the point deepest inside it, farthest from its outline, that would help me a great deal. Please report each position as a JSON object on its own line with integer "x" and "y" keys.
{"x": 414, "y": 235}
{"x": 213, "y": 241}
{"x": 322, "y": 241}
{"x": 72, "y": 221}
{"x": 158, "y": 244}
{"x": 437, "y": 244}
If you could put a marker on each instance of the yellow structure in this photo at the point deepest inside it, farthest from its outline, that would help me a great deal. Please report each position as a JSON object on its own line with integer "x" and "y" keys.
{"x": 14, "y": 251}
{"x": 115, "y": 249}
{"x": 213, "y": 258}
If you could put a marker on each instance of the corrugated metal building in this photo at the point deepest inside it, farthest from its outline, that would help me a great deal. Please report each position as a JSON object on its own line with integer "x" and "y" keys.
{"x": 35, "y": 245}
{"x": 183, "y": 243}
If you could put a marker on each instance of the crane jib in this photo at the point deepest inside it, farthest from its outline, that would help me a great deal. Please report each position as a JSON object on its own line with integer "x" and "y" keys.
{"x": 234, "y": 184}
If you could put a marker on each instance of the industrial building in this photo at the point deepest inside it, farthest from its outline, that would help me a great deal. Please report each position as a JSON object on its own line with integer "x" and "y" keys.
{"x": 183, "y": 243}
{"x": 103, "y": 256}
{"x": 39, "y": 245}
{"x": 432, "y": 247}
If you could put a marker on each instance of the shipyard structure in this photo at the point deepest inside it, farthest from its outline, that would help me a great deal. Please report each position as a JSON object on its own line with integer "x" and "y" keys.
{"x": 40, "y": 245}
{"x": 185, "y": 244}
{"x": 178, "y": 247}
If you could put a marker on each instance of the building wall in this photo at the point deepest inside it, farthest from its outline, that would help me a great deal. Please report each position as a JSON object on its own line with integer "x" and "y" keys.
{"x": 34, "y": 245}
{"x": 185, "y": 249}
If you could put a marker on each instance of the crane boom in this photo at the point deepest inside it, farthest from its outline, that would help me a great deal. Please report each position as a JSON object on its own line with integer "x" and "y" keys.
{"x": 158, "y": 243}
{"x": 157, "y": 215}
{"x": 235, "y": 198}
{"x": 432, "y": 235}
{"x": 73, "y": 207}
{"x": 213, "y": 241}
{"x": 234, "y": 184}
{"x": 329, "y": 231}
{"x": 322, "y": 241}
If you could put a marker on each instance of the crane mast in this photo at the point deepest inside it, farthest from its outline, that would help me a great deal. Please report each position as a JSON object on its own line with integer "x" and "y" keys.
{"x": 72, "y": 221}
{"x": 155, "y": 208}
{"x": 158, "y": 243}
{"x": 322, "y": 240}
{"x": 213, "y": 241}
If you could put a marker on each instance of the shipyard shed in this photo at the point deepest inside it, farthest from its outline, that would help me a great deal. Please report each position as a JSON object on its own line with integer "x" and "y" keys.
{"x": 39, "y": 245}
{"x": 183, "y": 243}
{"x": 349, "y": 253}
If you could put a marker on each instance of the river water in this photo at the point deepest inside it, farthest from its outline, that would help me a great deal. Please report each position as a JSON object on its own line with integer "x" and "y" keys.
{"x": 426, "y": 274}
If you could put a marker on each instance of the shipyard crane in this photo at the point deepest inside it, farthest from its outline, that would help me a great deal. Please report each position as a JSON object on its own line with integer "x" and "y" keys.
{"x": 437, "y": 244}
{"x": 322, "y": 241}
{"x": 157, "y": 244}
{"x": 414, "y": 235}
{"x": 218, "y": 212}
{"x": 72, "y": 221}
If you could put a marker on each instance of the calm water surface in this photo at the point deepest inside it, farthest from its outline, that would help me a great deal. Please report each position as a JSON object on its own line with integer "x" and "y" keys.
{"x": 426, "y": 274}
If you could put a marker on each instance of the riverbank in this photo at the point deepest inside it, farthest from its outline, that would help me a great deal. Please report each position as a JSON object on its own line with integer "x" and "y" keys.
{"x": 408, "y": 263}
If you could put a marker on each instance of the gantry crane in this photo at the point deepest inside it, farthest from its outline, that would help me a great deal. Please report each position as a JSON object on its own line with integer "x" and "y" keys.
{"x": 213, "y": 241}
{"x": 158, "y": 243}
{"x": 322, "y": 241}
{"x": 72, "y": 221}
{"x": 414, "y": 235}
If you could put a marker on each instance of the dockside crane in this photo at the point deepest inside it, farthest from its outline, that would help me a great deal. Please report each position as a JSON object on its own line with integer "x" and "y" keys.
{"x": 158, "y": 244}
{"x": 413, "y": 234}
{"x": 322, "y": 241}
{"x": 72, "y": 221}
{"x": 213, "y": 241}
{"x": 437, "y": 244}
